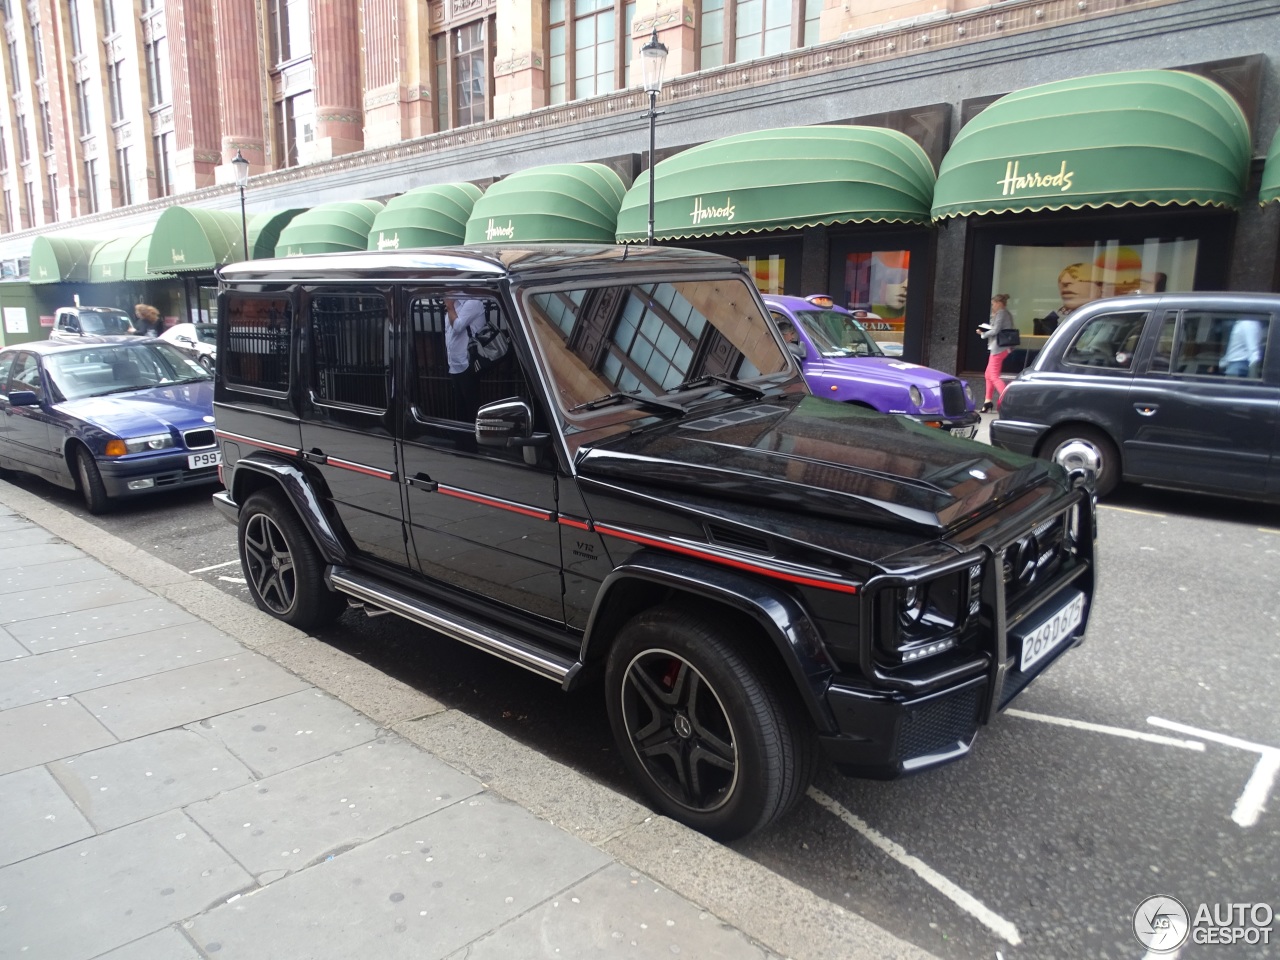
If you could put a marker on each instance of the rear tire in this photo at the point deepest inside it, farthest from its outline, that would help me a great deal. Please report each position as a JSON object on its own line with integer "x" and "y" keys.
{"x": 1073, "y": 447}
{"x": 90, "y": 480}
{"x": 711, "y": 739}
{"x": 206, "y": 361}
{"x": 284, "y": 570}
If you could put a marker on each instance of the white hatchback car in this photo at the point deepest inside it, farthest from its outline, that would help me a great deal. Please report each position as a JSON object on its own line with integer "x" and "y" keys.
{"x": 197, "y": 340}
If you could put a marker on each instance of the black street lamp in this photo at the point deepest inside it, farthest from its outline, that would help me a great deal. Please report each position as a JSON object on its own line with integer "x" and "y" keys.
{"x": 242, "y": 177}
{"x": 652, "y": 57}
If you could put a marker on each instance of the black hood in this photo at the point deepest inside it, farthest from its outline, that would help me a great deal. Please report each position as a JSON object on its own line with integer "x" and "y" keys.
{"x": 824, "y": 458}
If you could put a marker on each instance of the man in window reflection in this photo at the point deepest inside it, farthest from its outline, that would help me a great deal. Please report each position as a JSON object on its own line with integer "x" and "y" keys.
{"x": 1243, "y": 356}
{"x": 464, "y": 317}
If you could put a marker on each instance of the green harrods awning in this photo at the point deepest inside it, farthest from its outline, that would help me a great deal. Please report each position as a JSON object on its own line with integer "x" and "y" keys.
{"x": 195, "y": 240}
{"x": 1134, "y": 138}
{"x": 560, "y": 202}
{"x": 121, "y": 259}
{"x": 329, "y": 228}
{"x": 1270, "y": 189}
{"x": 432, "y": 216}
{"x": 58, "y": 259}
{"x": 785, "y": 178}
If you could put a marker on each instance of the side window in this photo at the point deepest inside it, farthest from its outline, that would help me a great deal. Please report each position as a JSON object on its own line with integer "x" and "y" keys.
{"x": 1222, "y": 344}
{"x": 1161, "y": 359}
{"x": 444, "y": 384}
{"x": 6, "y": 364}
{"x": 257, "y": 352}
{"x": 26, "y": 375}
{"x": 349, "y": 349}
{"x": 1108, "y": 341}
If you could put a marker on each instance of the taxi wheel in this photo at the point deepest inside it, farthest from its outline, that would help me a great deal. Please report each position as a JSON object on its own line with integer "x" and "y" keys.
{"x": 206, "y": 361}
{"x": 703, "y": 727}
{"x": 284, "y": 570}
{"x": 90, "y": 481}
{"x": 1076, "y": 447}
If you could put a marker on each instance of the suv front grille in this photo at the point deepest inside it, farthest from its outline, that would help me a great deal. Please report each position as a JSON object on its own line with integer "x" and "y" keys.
{"x": 1034, "y": 558}
{"x": 199, "y": 439}
{"x": 953, "y": 402}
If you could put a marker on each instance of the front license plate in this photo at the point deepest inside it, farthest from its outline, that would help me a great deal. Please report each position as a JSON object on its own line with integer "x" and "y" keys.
{"x": 198, "y": 460}
{"x": 1047, "y": 637}
{"x": 968, "y": 433}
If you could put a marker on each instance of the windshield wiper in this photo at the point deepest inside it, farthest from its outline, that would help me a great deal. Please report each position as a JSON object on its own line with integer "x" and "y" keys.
{"x": 649, "y": 403}
{"x": 737, "y": 386}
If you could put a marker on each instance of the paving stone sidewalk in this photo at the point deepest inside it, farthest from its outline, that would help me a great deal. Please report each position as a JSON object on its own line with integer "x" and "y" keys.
{"x": 182, "y": 777}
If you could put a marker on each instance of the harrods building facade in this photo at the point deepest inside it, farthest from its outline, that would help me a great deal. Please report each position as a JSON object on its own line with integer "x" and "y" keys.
{"x": 907, "y": 157}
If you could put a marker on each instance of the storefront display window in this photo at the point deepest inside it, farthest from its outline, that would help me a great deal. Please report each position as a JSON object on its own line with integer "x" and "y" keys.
{"x": 875, "y": 284}
{"x": 768, "y": 273}
{"x": 1046, "y": 283}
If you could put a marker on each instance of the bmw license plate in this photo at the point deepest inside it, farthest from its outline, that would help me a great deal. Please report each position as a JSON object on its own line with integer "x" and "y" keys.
{"x": 1052, "y": 633}
{"x": 197, "y": 460}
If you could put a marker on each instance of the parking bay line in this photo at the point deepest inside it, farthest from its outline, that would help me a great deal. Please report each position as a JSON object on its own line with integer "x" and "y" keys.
{"x": 1250, "y": 803}
{"x": 961, "y": 898}
{"x": 216, "y": 566}
{"x": 1103, "y": 728}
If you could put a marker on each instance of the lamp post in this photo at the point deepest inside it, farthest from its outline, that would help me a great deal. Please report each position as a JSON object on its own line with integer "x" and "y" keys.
{"x": 242, "y": 177}
{"x": 652, "y": 57}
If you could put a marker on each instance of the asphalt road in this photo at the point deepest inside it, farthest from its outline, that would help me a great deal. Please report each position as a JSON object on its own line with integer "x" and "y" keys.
{"x": 1073, "y": 807}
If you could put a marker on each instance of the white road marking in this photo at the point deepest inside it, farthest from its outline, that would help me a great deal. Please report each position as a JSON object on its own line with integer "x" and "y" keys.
{"x": 1141, "y": 513}
{"x": 214, "y": 567}
{"x": 1250, "y": 803}
{"x": 234, "y": 579}
{"x": 1102, "y": 728}
{"x": 961, "y": 898}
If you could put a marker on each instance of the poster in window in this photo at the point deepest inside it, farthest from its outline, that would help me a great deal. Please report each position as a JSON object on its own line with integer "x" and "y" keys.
{"x": 768, "y": 273}
{"x": 1046, "y": 284}
{"x": 875, "y": 289}
{"x": 15, "y": 319}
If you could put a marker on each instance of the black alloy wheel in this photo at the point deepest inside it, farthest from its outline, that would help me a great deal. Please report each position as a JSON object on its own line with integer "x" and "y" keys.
{"x": 284, "y": 570}
{"x": 713, "y": 743}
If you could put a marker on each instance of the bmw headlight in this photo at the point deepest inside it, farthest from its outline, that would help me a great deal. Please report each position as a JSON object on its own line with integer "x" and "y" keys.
{"x": 156, "y": 441}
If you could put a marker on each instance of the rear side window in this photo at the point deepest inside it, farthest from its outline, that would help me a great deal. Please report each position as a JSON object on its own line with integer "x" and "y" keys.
{"x": 349, "y": 349}
{"x": 257, "y": 351}
{"x": 1108, "y": 341}
{"x": 1221, "y": 344}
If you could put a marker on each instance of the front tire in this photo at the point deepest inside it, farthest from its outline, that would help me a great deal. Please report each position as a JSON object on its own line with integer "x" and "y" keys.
{"x": 711, "y": 740}
{"x": 283, "y": 568}
{"x": 92, "y": 488}
{"x": 1075, "y": 447}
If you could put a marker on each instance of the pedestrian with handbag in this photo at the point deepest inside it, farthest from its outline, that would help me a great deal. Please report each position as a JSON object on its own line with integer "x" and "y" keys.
{"x": 1001, "y": 336}
{"x": 464, "y": 316}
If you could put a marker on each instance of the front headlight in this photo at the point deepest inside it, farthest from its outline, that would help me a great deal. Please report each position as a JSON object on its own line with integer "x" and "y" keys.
{"x": 968, "y": 393}
{"x": 928, "y": 617}
{"x": 917, "y": 398}
{"x": 157, "y": 441}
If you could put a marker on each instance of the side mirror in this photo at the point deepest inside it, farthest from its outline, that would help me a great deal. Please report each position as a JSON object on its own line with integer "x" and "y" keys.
{"x": 186, "y": 340}
{"x": 509, "y": 423}
{"x": 23, "y": 398}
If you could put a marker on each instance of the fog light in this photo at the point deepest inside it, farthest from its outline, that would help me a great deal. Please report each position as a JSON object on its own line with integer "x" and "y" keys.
{"x": 142, "y": 484}
{"x": 930, "y": 650}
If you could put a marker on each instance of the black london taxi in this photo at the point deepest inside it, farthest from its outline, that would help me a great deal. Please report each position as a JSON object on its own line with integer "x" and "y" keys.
{"x": 602, "y": 464}
{"x": 1180, "y": 390}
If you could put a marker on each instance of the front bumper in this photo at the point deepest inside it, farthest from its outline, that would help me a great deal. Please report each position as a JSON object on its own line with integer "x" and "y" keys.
{"x": 167, "y": 472}
{"x": 965, "y": 425}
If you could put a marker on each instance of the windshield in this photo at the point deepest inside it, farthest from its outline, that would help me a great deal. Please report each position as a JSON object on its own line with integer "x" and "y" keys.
{"x": 837, "y": 334}
{"x": 106, "y": 322}
{"x": 206, "y": 332}
{"x": 120, "y": 368}
{"x": 650, "y": 340}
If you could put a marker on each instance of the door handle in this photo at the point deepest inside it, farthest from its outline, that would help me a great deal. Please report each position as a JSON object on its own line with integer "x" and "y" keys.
{"x": 1146, "y": 409}
{"x": 314, "y": 456}
{"x": 423, "y": 482}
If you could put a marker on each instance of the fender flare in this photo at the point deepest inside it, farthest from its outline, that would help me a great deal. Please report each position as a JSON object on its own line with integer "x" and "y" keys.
{"x": 782, "y": 618}
{"x": 300, "y": 492}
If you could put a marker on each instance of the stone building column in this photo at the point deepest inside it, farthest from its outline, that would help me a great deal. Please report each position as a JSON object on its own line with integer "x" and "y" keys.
{"x": 520, "y": 62}
{"x": 240, "y": 86}
{"x": 335, "y": 58}
{"x": 193, "y": 57}
{"x": 397, "y": 71}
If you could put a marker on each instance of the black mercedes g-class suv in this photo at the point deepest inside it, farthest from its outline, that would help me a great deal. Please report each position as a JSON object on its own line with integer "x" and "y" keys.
{"x": 602, "y": 463}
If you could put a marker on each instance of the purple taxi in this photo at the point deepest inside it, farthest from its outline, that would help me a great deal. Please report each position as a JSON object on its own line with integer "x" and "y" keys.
{"x": 841, "y": 361}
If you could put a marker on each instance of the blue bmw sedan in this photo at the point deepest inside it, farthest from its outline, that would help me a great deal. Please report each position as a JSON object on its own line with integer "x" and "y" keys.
{"x": 112, "y": 420}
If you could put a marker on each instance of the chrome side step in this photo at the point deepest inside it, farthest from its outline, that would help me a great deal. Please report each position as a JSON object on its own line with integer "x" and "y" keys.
{"x": 482, "y": 636}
